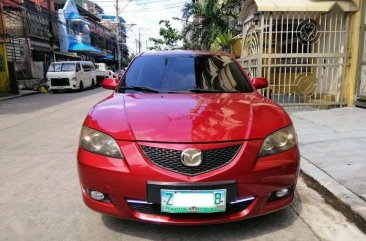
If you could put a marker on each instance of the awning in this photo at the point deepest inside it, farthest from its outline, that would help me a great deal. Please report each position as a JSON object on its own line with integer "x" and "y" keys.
{"x": 74, "y": 16}
{"x": 108, "y": 56}
{"x": 85, "y": 48}
{"x": 70, "y": 55}
{"x": 111, "y": 18}
{"x": 304, "y": 5}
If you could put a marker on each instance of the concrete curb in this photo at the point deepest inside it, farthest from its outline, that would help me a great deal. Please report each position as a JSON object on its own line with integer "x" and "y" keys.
{"x": 19, "y": 95}
{"x": 342, "y": 199}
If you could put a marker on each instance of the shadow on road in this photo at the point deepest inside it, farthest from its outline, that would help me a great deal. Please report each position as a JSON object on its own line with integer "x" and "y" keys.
{"x": 249, "y": 228}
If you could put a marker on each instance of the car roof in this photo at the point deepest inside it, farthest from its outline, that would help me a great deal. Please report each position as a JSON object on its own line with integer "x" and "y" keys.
{"x": 71, "y": 62}
{"x": 183, "y": 52}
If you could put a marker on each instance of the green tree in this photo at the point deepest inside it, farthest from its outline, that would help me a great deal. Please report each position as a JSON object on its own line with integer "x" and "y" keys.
{"x": 224, "y": 41}
{"x": 210, "y": 18}
{"x": 170, "y": 37}
{"x": 130, "y": 58}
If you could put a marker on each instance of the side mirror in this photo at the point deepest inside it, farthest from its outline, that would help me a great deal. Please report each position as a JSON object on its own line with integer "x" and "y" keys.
{"x": 260, "y": 83}
{"x": 110, "y": 83}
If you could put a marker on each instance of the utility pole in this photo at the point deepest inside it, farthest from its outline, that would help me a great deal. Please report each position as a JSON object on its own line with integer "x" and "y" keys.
{"x": 50, "y": 28}
{"x": 139, "y": 39}
{"x": 119, "y": 55}
{"x": 118, "y": 37}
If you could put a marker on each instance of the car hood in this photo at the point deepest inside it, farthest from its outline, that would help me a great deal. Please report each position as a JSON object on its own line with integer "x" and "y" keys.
{"x": 187, "y": 118}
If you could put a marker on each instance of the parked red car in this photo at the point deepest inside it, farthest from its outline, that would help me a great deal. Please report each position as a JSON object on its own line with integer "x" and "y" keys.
{"x": 185, "y": 138}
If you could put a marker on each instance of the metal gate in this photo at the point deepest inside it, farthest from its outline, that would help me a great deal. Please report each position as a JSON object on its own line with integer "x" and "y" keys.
{"x": 304, "y": 55}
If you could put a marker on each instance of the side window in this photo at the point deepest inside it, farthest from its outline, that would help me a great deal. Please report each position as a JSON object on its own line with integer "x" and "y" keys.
{"x": 86, "y": 67}
{"x": 78, "y": 67}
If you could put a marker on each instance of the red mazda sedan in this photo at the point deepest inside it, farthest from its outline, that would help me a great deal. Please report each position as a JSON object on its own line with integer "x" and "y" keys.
{"x": 186, "y": 139}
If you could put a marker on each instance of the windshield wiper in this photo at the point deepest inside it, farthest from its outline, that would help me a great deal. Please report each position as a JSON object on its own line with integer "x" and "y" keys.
{"x": 198, "y": 90}
{"x": 139, "y": 88}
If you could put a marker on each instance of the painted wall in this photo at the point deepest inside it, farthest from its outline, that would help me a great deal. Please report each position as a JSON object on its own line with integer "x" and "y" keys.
{"x": 4, "y": 75}
{"x": 4, "y": 79}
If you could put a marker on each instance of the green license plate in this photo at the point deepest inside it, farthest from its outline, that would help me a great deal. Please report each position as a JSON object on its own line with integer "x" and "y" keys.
{"x": 193, "y": 201}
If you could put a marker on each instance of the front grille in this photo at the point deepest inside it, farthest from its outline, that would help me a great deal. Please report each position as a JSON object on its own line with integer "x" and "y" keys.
{"x": 171, "y": 159}
{"x": 156, "y": 209}
{"x": 60, "y": 82}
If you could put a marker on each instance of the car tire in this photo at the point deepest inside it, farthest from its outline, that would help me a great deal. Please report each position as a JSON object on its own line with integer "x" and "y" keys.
{"x": 54, "y": 91}
{"x": 99, "y": 82}
{"x": 81, "y": 86}
{"x": 92, "y": 84}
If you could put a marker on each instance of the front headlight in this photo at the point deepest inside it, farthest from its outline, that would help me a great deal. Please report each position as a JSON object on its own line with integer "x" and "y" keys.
{"x": 73, "y": 79}
{"x": 279, "y": 141}
{"x": 98, "y": 142}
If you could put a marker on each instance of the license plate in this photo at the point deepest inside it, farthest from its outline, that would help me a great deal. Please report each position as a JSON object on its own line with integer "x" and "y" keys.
{"x": 193, "y": 201}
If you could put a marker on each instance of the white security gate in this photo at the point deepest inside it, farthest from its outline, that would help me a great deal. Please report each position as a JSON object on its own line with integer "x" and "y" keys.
{"x": 304, "y": 55}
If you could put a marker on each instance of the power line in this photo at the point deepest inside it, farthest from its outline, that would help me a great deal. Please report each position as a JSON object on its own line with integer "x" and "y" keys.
{"x": 144, "y": 3}
{"x": 172, "y": 5}
{"x": 155, "y": 9}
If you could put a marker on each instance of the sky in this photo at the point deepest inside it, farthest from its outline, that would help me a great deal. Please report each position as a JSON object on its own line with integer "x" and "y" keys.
{"x": 146, "y": 14}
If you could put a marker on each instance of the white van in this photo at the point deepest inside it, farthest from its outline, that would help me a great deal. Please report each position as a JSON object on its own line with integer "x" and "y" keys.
{"x": 74, "y": 75}
{"x": 102, "y": 71}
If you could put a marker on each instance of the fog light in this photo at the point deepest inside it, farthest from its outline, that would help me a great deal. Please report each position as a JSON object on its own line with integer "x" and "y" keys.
{"x": 96, "y": 195}
{"x": 282, "y": 193}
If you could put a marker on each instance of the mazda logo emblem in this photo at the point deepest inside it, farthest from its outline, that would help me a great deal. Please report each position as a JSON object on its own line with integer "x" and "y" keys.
{"x": 191, "y": 157}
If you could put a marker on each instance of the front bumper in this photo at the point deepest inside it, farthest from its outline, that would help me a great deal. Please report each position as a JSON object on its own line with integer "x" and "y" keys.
{"x": 127, "y": 180}
{"x": 71, "y": 86}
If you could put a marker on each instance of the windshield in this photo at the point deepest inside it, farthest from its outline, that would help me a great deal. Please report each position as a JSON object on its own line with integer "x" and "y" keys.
{"x": 62, "y": 67}
{"x": 180, "y": 73}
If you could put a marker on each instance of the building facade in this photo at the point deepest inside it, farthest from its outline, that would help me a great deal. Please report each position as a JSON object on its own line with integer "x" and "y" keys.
{"x": 111, "y": 22}
{"x": 30, "y": 27}
{"x": 101, "y": 37}
{"x": 75, "y": 33}
{"x": 104, "y": 31}
{"x": 34, "y": 33}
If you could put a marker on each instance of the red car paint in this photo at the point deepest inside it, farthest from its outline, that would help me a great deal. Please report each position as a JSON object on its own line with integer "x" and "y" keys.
{"x": 179, "y": 121}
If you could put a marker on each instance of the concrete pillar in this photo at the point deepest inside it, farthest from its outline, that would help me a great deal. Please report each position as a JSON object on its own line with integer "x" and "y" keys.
{"x": 351, "y": 76}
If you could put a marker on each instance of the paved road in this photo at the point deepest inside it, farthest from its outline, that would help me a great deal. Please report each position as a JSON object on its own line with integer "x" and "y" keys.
{"x": 40, "y": 197}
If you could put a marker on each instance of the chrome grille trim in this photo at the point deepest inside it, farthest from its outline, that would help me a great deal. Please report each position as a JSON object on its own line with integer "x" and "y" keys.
{"x": 171, "y": 159}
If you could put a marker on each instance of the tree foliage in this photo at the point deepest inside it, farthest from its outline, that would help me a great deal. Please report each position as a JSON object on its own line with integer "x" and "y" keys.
{"x": 170, "y": 37}
{"x": 224, "y": 41}
{"x": 210, "y": 19}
